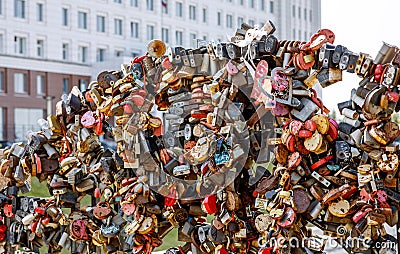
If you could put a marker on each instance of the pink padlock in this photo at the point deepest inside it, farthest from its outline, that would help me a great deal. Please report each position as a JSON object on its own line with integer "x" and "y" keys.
{"x": 88, "y": 120}
{"x": 231, "y": 68}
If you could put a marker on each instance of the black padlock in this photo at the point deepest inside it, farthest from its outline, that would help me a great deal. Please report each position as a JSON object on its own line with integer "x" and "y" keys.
{"x": 234, "y": 52}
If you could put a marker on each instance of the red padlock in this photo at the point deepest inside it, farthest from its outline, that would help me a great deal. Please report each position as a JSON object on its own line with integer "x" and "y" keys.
{"x": 45, "y": 221}
{"x": 268, "y": 250}
{"x": 393, "y": 96}
{"x": 97, "y": 193}
{"x": 310, "y": 125}
{"x": 8, "y": 210}
{"x": 78, "y": 230}
{"x": 128, "y": 208}
{"x": 3, "y": 228}
{"x": 378, "y": 72}
{"x": 99, "y": 126}
{"x": 210, "y": 204}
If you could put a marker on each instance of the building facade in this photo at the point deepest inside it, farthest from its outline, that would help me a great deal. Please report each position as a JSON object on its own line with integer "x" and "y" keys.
{"x": 47, "y": 47}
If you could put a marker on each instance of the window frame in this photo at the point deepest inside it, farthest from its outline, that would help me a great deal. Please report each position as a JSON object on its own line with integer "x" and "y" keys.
{"x": 219, "y": 18}
{"x": 100, "y": 27}
{"x": 2, "y": 81}
{"x": 134, "y": 32}
{"x": 150, "y": 5}
{"x": 24, "y": 85}
{"x": 64, "y": 16}
{"x": 18, "y": 47}
{"x": 65, "y": 55}
{"x": 151, "y": 28}
{"x": 65, "y": 88}
{"x": 40, "y": 47}
{"x": 40, "y": 12}
{"x": 204, "y": 15}
{"x": 229, "y": 20}
{"x": 165, "y": 34}
{"x": 100, "y": 54}
{"x": 192, "y": 12}
{"x": 118, "y": 26}
{"x": 179, "y": 9}
{"x": 42, "y": 90}
{"x": 179, "y": 37}
{"x": 84, "y": 19}
{"x": 83, "y": 54}
{"x": 20, "y": 13}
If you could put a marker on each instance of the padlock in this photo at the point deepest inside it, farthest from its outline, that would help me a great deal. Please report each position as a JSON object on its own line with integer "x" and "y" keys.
{"x": 308, "y": 108}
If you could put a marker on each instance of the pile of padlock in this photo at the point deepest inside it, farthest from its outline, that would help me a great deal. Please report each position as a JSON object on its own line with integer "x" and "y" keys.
{"x": 227, "y": 142}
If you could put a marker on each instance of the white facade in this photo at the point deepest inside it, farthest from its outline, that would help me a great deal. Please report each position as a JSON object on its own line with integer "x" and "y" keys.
{"x": 50, "y": 34}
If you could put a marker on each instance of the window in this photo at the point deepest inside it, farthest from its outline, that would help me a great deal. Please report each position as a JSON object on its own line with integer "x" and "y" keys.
{"x": 299, "y": 11}
{"x": 2, "y": 81}
{"x": 64, "y": 16}
{"x": 20, "y": 84}
{"x": 164, "y": 6}
{"x": 82, "y": 20}
{"x": 293, "y": 11}
{"x": 165, "y": 35}
{"x": 39, "y": 12}
{"x": 19, "y": 8}
{"x": 83, "y": 84}
{"x": 65, "y": 51}
{"x": 219, "y": 18}
{"x": 20, "y": 45}
{"x": 262, "y": 5}
{"x": 40, "y": 84}
{"x": 150, "y": 32}
{"x": 25, "y": 119}
{"x": 271, "y": 6}
{"x": 241, "y": 2}
{"x": 204, "y": 15}
{"x": 299, "y": 35}
{"x": 178, "y": 9}
{"x": 2, "y": 123}
{"x": 40, "y": 48}
{"x": 100, "y": 24}
{"x": 305, "y": 14}
{"x": 251, "y": 22}
{"x": 305, "y": 35}
{"x": 1, "y": 7}
{"x": 135, "y": 54}
{"x": 100, "y": 55}
{"x": 251, "y": 3}
{"x": 192, "y": 12}
{"x": 310, "y": 15}
{"x": 65, "y": 85}
{"x": 150, "y": 5}
{"x": 204, "y": 37}
{"x": 118, "y": 53}
{"x": 179, "y": 37}
{"x": 240, "y": 21}
{"x": 83, "y": 54}
{"x": 229, "y": 21}
{"x": 294, "y": 34}
{"x": 1, "y": 43}
{"x": 118, "y": 26}
{"x": 193, "y": 37}
{"x": 135, "y": 30}
{"x": 118, "y": 1}
{"x": 134, "y": 3}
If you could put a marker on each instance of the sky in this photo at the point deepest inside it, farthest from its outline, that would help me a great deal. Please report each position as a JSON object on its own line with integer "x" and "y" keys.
{"x": 361, "y": 26}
